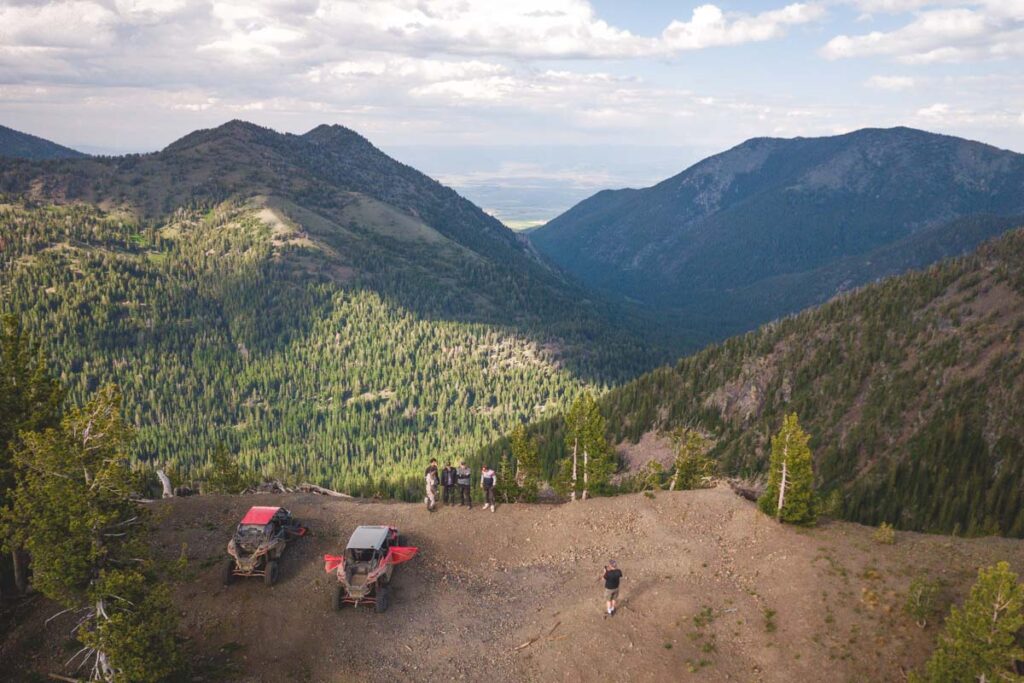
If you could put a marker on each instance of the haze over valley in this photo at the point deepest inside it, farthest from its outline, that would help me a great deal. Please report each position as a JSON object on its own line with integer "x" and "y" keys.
{"x": 717, "y": 308}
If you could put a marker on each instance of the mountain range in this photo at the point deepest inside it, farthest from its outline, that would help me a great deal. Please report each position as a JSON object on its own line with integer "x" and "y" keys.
{"x": 328, "y": 313}
{"x": 317, "y": 307}
{"x": 18, "y": 145}
{"x": 773, "y": 226}
{"x": 912, "y": 390}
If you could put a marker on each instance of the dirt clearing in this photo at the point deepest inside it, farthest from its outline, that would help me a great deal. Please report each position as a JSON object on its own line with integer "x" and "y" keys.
{"x": 713, "y": 590}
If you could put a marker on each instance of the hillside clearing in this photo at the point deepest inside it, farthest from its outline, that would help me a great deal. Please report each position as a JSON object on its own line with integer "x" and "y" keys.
{"x": 713, "y": 590}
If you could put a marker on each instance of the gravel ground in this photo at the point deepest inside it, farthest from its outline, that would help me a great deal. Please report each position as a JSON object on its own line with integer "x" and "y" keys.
{"x": 713, "y": 590}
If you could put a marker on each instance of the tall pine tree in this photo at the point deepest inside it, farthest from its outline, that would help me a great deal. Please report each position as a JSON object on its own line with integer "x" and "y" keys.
{"x": 789, "y": 496}
{"x": 29, "y": 401}
{"x": 693, "y": 467}
{"x": 589, "y": 464}
{"x": 72, "y": 511}
{"x": 527, "y": 463}
{"x": 981, "y": 641}
{"x": 507, "y": 489}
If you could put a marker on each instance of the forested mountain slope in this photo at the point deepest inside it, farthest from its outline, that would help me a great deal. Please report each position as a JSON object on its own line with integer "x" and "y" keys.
{"x": 15, "y": 144}
{"x": 321, "y": 309}
{"x": 773, "y": 226}
{"x": 912, "y": 390}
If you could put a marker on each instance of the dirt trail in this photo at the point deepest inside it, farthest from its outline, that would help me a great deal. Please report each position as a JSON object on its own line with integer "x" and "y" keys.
{"x": 713, "y": 590}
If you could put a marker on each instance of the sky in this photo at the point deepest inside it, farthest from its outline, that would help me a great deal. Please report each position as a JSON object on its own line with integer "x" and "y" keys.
{"x": 523, "y": 105}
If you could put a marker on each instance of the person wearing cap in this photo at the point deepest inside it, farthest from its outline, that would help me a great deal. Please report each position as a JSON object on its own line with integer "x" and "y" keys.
{"x": 611, "y": 576}
{"x": 464, "y": 478}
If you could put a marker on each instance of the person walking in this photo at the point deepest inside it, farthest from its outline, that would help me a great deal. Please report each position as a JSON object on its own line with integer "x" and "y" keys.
{"x": 611, "y": 576}
{"x": 488, "y": 480}
{"x": 430, "y": 478}
{"x": 448, "y": 484}
{"x": 464, "y": 479}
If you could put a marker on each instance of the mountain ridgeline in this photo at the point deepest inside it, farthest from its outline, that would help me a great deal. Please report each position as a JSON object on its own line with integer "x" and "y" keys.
{"x": 773, "y": 226}
{"x": 17, "y": 145}
{"x": 912, "y": 390}
{"x": 328, "y": 313}
{"x": 323, "y": 310}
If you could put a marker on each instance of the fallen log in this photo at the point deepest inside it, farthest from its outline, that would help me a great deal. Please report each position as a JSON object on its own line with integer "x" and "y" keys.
{"x": 273, "y": 486}
{"x": 744, "y": 491}
{"x": 306, "y": 487}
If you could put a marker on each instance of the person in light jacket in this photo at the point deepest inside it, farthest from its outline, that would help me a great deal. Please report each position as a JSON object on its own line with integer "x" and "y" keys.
{"x": 488, "y": 480}
{"x": 430, "y": 478}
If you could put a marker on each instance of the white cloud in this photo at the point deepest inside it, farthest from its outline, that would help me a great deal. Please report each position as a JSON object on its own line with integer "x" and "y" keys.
{"x": 76, "y": 24}
{"x": 978, "y": 30}
{"x": 938, "y": 110}
{"x": 710, "y": 27}
{"x": 474, "y": 70}
{"x": 490, "y": 89}
{"x": 965, "y": 117}
{"x": 894, "y": 83}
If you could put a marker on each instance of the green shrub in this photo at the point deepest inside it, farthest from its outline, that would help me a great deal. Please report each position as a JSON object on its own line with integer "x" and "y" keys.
{"x": 885, "y": 534}
{"x": 920, "y": 603}
{"x": 981, "y": 638}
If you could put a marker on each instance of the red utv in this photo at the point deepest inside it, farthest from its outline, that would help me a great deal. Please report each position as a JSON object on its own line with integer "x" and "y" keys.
{"x": 364, "y": 571}
{"x": 259, "y": 542}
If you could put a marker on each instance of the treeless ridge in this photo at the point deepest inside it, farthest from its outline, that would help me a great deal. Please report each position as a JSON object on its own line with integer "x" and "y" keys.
{"x": 713, "y": 590}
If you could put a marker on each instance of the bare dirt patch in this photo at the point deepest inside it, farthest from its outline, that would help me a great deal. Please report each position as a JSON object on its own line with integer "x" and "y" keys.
{"x": 713, "y": 590}
{"x": 652, "y": 446}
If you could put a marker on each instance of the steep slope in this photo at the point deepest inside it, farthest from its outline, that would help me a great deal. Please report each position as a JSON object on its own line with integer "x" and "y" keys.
{"x": 772, "y": 226}
{"x": 912, "y": 390}
{"x": 321, "y": 309}
{"x": 713, "y": 590}
{"x": 18, "y": 145}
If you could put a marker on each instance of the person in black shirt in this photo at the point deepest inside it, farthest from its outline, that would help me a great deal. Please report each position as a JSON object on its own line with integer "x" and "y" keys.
{"x": 448, "y": 484}
{"x": 463, "y": 477}
{"x": 611, "y": 577}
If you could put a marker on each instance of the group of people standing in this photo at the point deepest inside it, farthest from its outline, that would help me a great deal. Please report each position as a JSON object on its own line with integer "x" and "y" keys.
{"x": 451, "y": 478}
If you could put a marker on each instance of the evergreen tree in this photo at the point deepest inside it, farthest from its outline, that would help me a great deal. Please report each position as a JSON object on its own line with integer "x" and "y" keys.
{"x": 981, "y": 640}
{"x": 507, "y": 490}
{"x": 651, "y": 477}
{"x": 226, "y": 474}
{"x": 29, "y": 401}
{"x": 789, "y": 496}
{"x": 590, "y": 464}
{"x": 527, "y": 462}
{"x": 693, "y": 467}
{"x": 72, "y": 511}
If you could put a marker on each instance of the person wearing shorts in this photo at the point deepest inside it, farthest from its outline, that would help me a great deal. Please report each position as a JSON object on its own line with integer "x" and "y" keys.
{"x": 611, "y": 576}
{"x": 430, "y": 480}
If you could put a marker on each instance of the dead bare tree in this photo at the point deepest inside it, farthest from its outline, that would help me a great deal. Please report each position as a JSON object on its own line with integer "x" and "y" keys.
{"x": 165, "y": 481}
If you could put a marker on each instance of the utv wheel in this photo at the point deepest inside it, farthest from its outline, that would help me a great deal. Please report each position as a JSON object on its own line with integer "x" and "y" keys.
{"x": 400, "y": 540}
{"x": 384, "y": 580}
{"x": 270, "y": 573}
{"x": 383, "y": 598}
{"x": 227, "y": 572}
{"x": 339, "y": 597}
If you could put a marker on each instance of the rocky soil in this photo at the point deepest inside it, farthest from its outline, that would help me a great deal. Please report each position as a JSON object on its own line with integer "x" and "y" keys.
{"x": 713, "y": 590}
